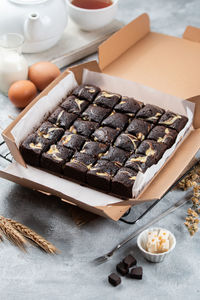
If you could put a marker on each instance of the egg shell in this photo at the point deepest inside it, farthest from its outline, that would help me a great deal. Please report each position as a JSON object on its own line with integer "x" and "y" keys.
{"x": 42, "y": 74}
{"x": 22, "y": 92}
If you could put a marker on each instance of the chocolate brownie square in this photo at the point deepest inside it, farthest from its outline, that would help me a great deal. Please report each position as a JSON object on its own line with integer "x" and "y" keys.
{"x": 123, "y": 182}
{"x": 129, "y": 261}
{"x": 136, "y": 273}
{"x": 122, "y": 269}
{"x": 55, "y": 158}
{"x": 72, "y": 141}
{"x": 105, "y": 135}
{"x": 139, "y": 129}
{"x": 93, "y": 148}
{"x": 61, "y": 118}
{"x": 116, "y": 155}
{"x": 129, "y": 106}
{"x": 162, "y": 134}
{"x": 32, "y": 148}
{"x": 78, "y": 166}
{"x": 151, "y": 148}
{"x": 127, "y": 142}
{"x": 100, "y": 175}
{"x": 87, "y": 92}
{"x": 50, "y": 132}
{"x": 116, "y": 120}
{"x": 114, "y": 279}
{"x": 150, "y": 113}
{"x": 85, "y": 128}
{"x": 139, "y": 162}
{"x": 95, "y": 113}
{"x": 173, "y": 121}
{"x": 107, "y": 99}
{"x": 74, "y": 105}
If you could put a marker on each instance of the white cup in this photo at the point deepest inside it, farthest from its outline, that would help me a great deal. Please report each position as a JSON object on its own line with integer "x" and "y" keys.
{"x": 154, "y": 257}
{"x": 92, "y": 19}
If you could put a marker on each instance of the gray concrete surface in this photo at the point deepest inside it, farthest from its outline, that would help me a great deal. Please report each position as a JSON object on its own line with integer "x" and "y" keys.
{"x": 70, "y": 275}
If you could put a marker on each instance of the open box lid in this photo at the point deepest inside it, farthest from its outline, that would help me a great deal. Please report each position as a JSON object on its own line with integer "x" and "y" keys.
{"x": 166, "y": 63}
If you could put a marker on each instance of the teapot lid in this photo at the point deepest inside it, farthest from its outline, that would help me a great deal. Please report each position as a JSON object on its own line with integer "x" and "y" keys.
{"x": 28, "y": 1}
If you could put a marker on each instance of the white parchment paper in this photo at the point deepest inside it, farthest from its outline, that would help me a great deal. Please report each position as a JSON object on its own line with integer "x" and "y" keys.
{"x": 46, "y": 104}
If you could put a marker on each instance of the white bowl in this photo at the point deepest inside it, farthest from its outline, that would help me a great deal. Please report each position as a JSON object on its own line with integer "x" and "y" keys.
{"x": 92, "y": 19}
{"x": 154, "y": 257}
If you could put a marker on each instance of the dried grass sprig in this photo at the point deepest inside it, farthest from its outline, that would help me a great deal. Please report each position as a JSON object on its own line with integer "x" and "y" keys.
{"x": 12, "y": 234}
{"x": 192, "y": 180}
{"x": 33, "y": 236}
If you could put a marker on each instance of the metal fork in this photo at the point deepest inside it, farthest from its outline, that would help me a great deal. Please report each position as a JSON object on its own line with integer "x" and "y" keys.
{"x": 108, "y": 255}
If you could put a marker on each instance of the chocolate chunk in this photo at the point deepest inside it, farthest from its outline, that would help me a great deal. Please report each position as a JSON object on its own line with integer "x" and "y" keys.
{"x": 114, "y": 279}
{"x": 116, "y": 155}
{"x": 123, "y": 182}
{"x": 74, "y": 105}
{"x": 139, "y": 129}
{"x": 127, "y": 142}
{"x": 163, "y": 135}
{"x": 151, "y": 148}
{"x": 150, "y": 113}
{"x": 107, "y": 99}
{"x": 50, "y": 132}
{"x": 85, "y": 128}
{"x": 72, "y": 141}
{"x": 139, "y": 162}
{"x": 129, "y": 261}
{"x": 32, "y": 148}
{"x": 130, "y": 106}
{"x": 95, "y": 149}
{"x": 61, "y": 118}
{"x": 87, "y": 92}
{"x": 122, "y": 269}
{"x": 136, "y": 273}
{"x": 116, "y": 120}
{"x": 100, "y": 175}
{"x": 105, "y": 135}
{"x": 55, "y": 158}
{"x": 173, "y": 121}
{"x": 78, "y": 166}
{"x": 95, "y": 113}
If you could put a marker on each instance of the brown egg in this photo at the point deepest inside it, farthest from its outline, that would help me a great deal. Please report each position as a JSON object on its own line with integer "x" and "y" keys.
{"x": 22, "y": 92}
{"x": 42, "y": 74}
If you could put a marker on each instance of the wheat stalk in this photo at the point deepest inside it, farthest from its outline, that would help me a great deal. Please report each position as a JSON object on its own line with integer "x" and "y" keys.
{"x": 33, "y": 236}
{"x": 12, "y": 234}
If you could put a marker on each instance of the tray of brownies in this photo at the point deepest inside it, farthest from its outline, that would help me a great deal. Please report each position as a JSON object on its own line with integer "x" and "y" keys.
{"x": 102, "y": 139}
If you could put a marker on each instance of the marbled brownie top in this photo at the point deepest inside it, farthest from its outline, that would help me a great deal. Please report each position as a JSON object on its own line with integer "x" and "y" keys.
{"x": 102, "y": 139}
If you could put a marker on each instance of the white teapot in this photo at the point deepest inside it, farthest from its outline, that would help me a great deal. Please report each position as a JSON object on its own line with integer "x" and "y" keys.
{"x": 41, "y": 22}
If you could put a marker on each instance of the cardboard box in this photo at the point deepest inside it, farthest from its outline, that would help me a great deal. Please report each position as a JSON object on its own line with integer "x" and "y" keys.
{"x": 168, "y": 64}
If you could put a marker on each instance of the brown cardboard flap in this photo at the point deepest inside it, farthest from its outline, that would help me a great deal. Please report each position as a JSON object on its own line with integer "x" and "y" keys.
{"x": 104, "y": 211}
{"x": 192, "y": 33}
{"x": 78, "y": 69}
{"x": 122, "y": 40}
{"x": 166, "y": 63}
{"x": 196, "y": 100}
{"x": 9, "y": 139}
